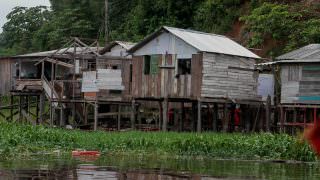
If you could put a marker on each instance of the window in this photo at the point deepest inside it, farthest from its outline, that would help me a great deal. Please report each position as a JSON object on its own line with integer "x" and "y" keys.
{"x": 146, "y": 66}
{"x": 293, "y": 74}
{"x": 184, "y": 66}
{"x": 151, "y": 65}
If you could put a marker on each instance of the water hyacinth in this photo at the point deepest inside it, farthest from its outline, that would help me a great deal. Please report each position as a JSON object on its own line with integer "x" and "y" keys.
{"x": 24, "y": 140}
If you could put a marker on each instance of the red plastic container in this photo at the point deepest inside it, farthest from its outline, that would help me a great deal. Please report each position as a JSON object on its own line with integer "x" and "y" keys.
{"x": 85, "y": 153}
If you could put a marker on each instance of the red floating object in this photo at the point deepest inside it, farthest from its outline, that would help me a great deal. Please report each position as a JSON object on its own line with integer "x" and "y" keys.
{"x": 85, "y": 153}
{"x": 312, "y": 134}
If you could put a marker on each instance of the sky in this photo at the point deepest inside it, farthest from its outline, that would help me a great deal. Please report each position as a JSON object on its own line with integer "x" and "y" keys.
{"x": 7, "y": 5}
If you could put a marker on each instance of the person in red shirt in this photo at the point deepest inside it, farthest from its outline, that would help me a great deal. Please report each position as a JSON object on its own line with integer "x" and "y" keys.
{"x": 237, "y": 112}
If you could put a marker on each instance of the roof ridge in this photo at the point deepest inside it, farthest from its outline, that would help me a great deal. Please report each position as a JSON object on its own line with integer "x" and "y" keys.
{"x": 195, "y": 31}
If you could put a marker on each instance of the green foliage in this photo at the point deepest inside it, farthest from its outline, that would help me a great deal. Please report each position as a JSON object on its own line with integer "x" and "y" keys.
{"x": 26, "y": 140}
{"x": 292, "y": 26}
{"x": 18, "y": 31}
{"x": 217, "y": 15}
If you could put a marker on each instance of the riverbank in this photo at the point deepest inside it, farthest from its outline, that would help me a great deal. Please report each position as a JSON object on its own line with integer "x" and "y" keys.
{"x": 26, "y": 140}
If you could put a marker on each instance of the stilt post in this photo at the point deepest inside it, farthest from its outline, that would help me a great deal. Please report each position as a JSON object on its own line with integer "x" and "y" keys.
{"x": 199, "y": 117}
{"x": 165, "y": 114}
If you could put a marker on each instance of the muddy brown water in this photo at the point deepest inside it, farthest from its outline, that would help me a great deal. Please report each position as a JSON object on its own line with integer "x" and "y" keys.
{"x": 152, "y": 167}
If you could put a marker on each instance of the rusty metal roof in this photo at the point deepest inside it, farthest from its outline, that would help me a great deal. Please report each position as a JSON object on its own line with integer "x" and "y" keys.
{"x": 204, "y": 42}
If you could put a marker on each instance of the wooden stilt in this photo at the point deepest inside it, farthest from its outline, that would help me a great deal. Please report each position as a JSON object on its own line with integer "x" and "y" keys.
{"x": 226, "y": 118}
{"x": 215, "y": 117}
{"x": 95, "y": 127}
{"x": 20, "y": 108}
{"x": 53, "y": 121}
{"x": 86, "y": 110}
{"x": 119, "y": 117}
{"x": 281, "y": 120}
{"x": 165, "y": 114}
{"x": 139, "y": 116}
{"x": 160, "y": 114}
{"x": 268, "y": 114}
{"x": 182, "y": 117}
{"x": 11, "y": 109}
{"x": 42, "y": 104}
{"x": 37, "y": 109}
{"x": 62, "y": 119}
{"x": 295, "y": 114}
{"x": 256, "y": 119}
{"x": 133, "y": 114}
{"x": 199, "y": 125}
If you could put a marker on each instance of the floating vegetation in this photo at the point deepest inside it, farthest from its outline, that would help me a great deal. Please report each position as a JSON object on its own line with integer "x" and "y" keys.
{"x": 26, "y": 140}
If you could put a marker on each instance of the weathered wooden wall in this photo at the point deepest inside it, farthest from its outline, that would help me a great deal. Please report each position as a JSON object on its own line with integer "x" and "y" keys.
{"x": 226, "y": 76}
{"x": 300, "y": 83}
{"x": 125, "y": 66}
{"x": 165, "y": 83}
{"x": 6, "y": 76}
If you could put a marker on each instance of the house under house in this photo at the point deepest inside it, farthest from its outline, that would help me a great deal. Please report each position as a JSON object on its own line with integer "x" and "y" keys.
{"x": 183, "y": 70}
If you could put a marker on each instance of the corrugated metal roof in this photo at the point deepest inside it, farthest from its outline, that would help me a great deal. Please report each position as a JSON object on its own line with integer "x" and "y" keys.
{"x": 311, "y": 51}
{"x": 204, "y": 42}
{"x": 290, "y": 61}
{"x": 125, "y": 45}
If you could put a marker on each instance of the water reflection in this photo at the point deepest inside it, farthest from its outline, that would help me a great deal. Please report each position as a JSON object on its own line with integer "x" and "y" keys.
{"x": 133, "y": 167}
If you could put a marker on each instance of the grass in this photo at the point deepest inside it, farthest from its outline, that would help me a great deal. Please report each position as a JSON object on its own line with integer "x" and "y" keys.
{"x": 25, "y": 140}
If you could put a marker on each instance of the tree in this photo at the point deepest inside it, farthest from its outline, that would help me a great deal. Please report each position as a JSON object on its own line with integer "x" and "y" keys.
{"x": 22, "y": 24}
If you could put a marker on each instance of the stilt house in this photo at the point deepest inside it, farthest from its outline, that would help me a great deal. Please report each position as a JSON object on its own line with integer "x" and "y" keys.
{"x": 299, "y": 78}
{"x": 114, "y": 70}
{"x": 179, "y": 65}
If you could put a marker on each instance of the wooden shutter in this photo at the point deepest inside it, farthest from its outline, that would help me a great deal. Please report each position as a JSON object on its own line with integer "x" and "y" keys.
{"x": 154, "y": 66}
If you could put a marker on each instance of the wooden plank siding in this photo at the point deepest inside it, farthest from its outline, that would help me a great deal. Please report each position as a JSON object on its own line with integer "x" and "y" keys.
{"x": 165, "y": 84}
{"x": 124, "y": 65}
{"x": 300, "y": 83}
{"x": 6, "y": 76}
{"x": 226, "y": 76}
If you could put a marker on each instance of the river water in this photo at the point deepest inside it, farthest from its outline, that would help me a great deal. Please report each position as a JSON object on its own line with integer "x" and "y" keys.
{"x": 146, "y": 167}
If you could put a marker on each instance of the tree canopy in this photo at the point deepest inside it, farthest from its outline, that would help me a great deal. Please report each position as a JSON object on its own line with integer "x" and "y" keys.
{"x": 290, "y": 24}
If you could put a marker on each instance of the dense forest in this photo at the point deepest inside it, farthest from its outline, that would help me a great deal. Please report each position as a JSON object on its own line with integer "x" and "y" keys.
{"x": 271, "y": 27}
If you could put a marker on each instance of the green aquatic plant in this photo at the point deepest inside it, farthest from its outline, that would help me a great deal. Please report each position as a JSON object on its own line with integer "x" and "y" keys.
{"x": 24, "y": 140}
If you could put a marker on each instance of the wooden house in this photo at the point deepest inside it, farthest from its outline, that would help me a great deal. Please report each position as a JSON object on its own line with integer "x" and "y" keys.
{"x": 298, "y": 76}
{"x": 6, "y": 73}
{"x": 180, "y": 65}
{"x": 114, "y": 70}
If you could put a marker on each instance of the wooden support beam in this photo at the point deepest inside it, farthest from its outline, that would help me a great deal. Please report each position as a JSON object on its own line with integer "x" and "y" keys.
{"x": 256, "y": 119}
{"x": 182, "y": 116}
{"x": 11, "y": 109}
{"x": 133, "y": 114}
{"x": 165, "y": 114}
{"x": 215, "y": 117}
{"x": 37, "y": 110}
{"x": 62, "y": 117}
{"x": 139, "y": 116}
{"x": 268, "y": 113}
{"x": 41, "y": 108}
{"x": 160, "y": 114}
{"x": 119, "y": 117}
{"x": 96, "y": 111}
{"x": 281, "y": 120}
{"x": 86, "y": 107}
{"x": 225, "y": 122}
{"x": 199, "y": 125}
{"x": 20, "y": 108}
